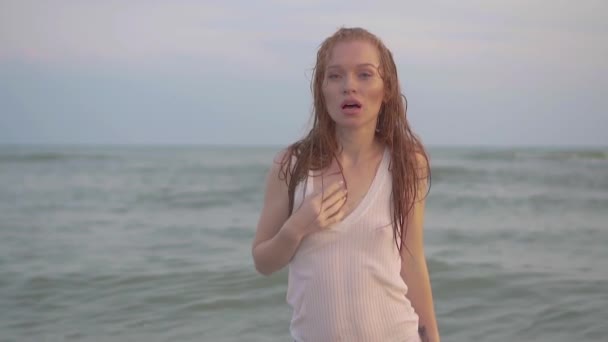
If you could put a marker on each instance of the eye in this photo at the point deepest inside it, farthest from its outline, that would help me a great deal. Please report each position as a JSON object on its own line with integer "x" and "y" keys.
{"x": 365, "y": 75}
{"x": 333, "y": 76}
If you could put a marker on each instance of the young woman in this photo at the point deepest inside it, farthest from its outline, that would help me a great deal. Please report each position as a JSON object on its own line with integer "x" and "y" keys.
{"x": 344, "y": 207}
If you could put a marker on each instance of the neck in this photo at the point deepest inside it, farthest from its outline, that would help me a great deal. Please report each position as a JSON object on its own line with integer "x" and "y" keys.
{"x": 357, "y": 145}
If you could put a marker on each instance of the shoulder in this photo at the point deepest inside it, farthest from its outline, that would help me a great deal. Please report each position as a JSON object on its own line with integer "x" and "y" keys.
{"x": 281, "y": 168}
{"x": 283, "y": 160}
{"x": 280, "y": 161}
{"x": 422, "y": 174}
{"x": 422, "y": 163}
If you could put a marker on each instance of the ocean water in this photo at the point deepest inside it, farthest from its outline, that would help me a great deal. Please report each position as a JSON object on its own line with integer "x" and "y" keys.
{"x": 153, "y": 244}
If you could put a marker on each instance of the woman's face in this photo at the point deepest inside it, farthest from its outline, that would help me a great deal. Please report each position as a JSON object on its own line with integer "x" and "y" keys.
{"x": 352, "y": 87}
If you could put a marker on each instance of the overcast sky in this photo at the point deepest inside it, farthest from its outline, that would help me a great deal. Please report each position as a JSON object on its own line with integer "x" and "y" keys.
{"x": 475, "y": 72}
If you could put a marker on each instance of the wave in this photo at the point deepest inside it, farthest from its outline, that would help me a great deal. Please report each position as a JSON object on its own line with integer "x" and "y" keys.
{"x": 200, "y": 199}
{"x": 560, "y": 155}
{"x": 50, "y": 157}
{"x": 577, "y": 155}
{"x": 443, "y": 172}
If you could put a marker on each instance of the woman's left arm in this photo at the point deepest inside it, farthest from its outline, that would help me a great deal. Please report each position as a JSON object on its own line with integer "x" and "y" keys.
{"x": 414, "y": 269}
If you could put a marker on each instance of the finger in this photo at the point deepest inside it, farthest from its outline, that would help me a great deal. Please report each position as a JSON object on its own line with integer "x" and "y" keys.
{"x": 336, "y": 217}
{"x": 332, "y": 197}
{"x": 335, "y": 203}
{"x": 330, "y": 190}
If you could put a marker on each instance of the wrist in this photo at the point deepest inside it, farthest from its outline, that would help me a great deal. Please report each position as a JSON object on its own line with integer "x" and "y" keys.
{"x": 291, "y": 232}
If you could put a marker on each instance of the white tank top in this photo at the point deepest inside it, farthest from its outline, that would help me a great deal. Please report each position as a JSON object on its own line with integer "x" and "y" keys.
{"x": 344, "y": 282}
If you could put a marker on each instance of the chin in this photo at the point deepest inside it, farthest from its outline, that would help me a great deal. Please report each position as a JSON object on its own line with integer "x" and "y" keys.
{"x": 350, "y": 124}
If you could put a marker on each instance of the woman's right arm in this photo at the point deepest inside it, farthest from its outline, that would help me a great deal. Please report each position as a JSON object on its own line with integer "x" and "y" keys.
{"x": 277, "y": 238}
{"x": 278, "y": 234}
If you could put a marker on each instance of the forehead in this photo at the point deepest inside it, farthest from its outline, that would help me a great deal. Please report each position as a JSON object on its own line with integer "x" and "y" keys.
{"x": 353, "y": 53}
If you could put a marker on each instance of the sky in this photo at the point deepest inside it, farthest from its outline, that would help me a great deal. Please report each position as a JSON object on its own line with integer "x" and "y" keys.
{"x": 475, "y": 72}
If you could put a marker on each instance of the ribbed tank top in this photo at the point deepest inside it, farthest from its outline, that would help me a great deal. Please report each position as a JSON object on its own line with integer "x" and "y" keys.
{"x": 344, "y": 283}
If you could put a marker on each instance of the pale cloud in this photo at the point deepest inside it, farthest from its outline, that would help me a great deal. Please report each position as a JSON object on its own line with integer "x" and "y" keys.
{"x": 126, "y": 32}
{"x": 477, "y": 71}
{"x": 439, "y": 29}
{"x": 263, "y": 35}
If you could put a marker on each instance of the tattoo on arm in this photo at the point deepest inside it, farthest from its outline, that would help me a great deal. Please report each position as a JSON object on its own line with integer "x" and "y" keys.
{"x": 422, "y": 332}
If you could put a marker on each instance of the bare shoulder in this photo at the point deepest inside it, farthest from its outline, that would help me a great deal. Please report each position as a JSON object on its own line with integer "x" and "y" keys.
{"x": 277, "y": 171}
{"x": 422, "y": 162}
{"x": 423, "y": 174}
{"x": 275, "y": 209}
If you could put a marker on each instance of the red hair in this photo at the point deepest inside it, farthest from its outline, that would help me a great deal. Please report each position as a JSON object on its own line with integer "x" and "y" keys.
{"x": 409, "y": 159}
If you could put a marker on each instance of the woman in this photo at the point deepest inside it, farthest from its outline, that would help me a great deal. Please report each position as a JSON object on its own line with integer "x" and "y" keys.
{"x": 344, "y": 207}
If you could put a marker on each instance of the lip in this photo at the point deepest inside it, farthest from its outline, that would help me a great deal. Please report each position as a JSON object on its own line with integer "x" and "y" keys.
{"x": 351, "y": 111}
{"x": 350, "y": 101}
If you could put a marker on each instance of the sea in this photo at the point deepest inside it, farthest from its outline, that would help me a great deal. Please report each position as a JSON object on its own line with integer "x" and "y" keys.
{"x": 153, "y": 243}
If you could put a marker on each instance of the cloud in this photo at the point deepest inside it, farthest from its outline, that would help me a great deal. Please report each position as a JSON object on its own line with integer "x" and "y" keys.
{"x": 266, "y": 36}
{"x": 126, "y": 32}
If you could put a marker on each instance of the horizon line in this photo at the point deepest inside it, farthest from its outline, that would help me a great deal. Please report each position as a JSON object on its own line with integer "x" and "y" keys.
{"x": 281, "y": 145}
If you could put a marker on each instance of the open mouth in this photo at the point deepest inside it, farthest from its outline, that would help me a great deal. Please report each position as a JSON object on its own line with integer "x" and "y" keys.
{"x": 351, "y": 103}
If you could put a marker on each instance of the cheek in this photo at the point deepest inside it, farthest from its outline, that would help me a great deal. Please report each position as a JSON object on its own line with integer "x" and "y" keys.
{"x": 376, "y": 92}
{"x": 329, "y": 94}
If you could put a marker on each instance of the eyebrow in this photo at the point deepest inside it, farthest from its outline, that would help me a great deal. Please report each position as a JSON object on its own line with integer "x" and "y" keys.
{"x": 335, "y": 66}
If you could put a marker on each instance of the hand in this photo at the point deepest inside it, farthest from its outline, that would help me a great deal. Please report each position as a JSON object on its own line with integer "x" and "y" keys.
{"x": 321, "y": 209}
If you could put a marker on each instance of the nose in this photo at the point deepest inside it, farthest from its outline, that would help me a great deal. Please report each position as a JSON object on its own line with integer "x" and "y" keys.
{"x": 349, "y": 85}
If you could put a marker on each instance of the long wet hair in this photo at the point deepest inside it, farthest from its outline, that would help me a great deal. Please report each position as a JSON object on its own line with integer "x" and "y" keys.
{"x": 319, "y": 147}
